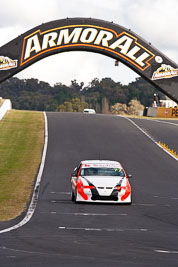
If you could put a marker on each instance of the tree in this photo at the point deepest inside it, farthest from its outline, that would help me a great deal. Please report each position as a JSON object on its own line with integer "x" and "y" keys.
{"x": 33, "y": 94}
{"x": 120, "y": 109}
{"x": 135, "y": 107}
{"x": 75, "y": 105}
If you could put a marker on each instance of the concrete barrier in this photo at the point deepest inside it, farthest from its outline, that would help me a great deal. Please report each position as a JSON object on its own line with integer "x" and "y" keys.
{"x": 152, "y": 112}
{"x": 7, "y": 105}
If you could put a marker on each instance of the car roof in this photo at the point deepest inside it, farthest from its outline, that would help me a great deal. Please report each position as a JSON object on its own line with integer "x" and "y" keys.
{"x": 103, "y": 163}
{"x": 89, "y": 109}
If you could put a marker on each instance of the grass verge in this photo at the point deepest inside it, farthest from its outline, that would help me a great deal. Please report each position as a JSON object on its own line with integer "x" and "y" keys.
{"x": 21, "y": 144}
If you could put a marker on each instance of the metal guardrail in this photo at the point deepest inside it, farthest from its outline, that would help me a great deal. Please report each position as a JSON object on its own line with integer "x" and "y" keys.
{"x": 162, "y": 112}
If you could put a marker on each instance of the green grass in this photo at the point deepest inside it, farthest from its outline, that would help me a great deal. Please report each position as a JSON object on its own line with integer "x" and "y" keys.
{"x": 21, "y": 144}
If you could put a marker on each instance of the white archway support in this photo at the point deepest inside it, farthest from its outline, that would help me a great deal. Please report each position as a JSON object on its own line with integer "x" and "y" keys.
{"x": 7, "y": 105}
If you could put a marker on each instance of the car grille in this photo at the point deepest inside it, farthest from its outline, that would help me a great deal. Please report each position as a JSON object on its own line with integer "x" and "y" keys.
{"x": 106, "y": 198}
{"x": 100, "y": 187}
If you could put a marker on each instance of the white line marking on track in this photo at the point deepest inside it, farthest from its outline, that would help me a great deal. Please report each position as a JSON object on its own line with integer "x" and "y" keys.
{"x": 17, "y": 250}
{"x": 34, "y": 199}
{"x": 45, "y": 253}
{"x": 142, "y": 204}
{"x": 149, "y": 136}
{"x": 95, "y": 214}
{"x": 85, "y": 214}
{"x": 25, "y": 251}
{"x": 62, "y": 193}
{"x": 172, "y": 198}
{"x": 151, "y": 205}
{"x": 171, "y": 123}
{"x": 166, "y": 251}
{"x": 98, "y": 214}
{"x": 102, "y": 229}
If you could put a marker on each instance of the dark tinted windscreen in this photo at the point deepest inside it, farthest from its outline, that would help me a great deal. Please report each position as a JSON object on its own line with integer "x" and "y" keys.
{"x": 102, "y": 172}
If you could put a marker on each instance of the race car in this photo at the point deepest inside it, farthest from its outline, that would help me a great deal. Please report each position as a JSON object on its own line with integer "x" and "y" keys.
{"x": 100, "y": 181}
{"x": 89, "y": 111}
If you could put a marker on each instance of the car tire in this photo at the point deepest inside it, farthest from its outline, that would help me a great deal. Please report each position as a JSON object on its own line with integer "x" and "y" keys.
{"x": 73, "y": 196}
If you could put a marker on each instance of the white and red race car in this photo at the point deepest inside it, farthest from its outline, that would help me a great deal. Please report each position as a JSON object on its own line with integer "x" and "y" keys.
{"x": 100, "y": 181}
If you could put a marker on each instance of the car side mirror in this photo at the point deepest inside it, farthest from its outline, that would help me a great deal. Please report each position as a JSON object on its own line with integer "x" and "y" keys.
{"x": 74, "y": 172}
{"x": 129, "y": 176}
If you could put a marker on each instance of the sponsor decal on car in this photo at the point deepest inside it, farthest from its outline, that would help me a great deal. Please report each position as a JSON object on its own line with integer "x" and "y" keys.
{"x": 80, "y": 189}
{"x": 6, "y": 63}
{"x": 98, "y": 165}
{"x": 164, "y": 72}
{"x": 124, "y": 44}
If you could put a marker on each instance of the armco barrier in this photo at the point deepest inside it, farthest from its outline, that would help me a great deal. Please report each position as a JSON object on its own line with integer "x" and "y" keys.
{"x": 7, "y": 105}
{"x": 167, "y": 112}
{"x": 162, "y": 112}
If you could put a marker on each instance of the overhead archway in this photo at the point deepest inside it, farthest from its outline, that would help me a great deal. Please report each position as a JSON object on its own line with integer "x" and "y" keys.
{"x": 85, "y": 34}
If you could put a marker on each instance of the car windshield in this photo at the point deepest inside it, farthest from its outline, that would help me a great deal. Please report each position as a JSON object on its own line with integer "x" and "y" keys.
{"x": 102, "y": 172}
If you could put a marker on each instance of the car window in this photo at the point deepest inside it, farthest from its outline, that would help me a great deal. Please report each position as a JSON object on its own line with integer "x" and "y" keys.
{"x": 102, "y": 172}
{"x": 78, "y": 169}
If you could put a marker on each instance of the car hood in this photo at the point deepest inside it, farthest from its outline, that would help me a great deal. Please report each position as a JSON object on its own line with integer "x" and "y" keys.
{"x": 103, "y": 181}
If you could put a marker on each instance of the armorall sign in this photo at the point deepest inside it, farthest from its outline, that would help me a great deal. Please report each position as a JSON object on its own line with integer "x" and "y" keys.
{"x": 124, "y": 44}
{"x": 82, "y": 34}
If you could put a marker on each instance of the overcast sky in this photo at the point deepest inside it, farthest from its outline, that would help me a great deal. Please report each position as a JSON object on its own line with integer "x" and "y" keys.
{"x": 154, "y": 20}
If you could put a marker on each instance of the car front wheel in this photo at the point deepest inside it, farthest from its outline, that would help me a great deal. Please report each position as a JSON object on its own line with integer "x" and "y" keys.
{"x": 73, "y": 196}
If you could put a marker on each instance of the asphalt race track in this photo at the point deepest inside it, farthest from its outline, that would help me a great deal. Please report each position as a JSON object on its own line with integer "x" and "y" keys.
{"x": 62, "y": 233}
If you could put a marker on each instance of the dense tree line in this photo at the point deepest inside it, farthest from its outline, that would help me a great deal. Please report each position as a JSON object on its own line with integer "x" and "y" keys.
{"x": 32, "y": 94}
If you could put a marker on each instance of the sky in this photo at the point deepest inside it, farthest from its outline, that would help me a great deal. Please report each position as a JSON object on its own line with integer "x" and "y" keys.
{"x": 154, "y": 20}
